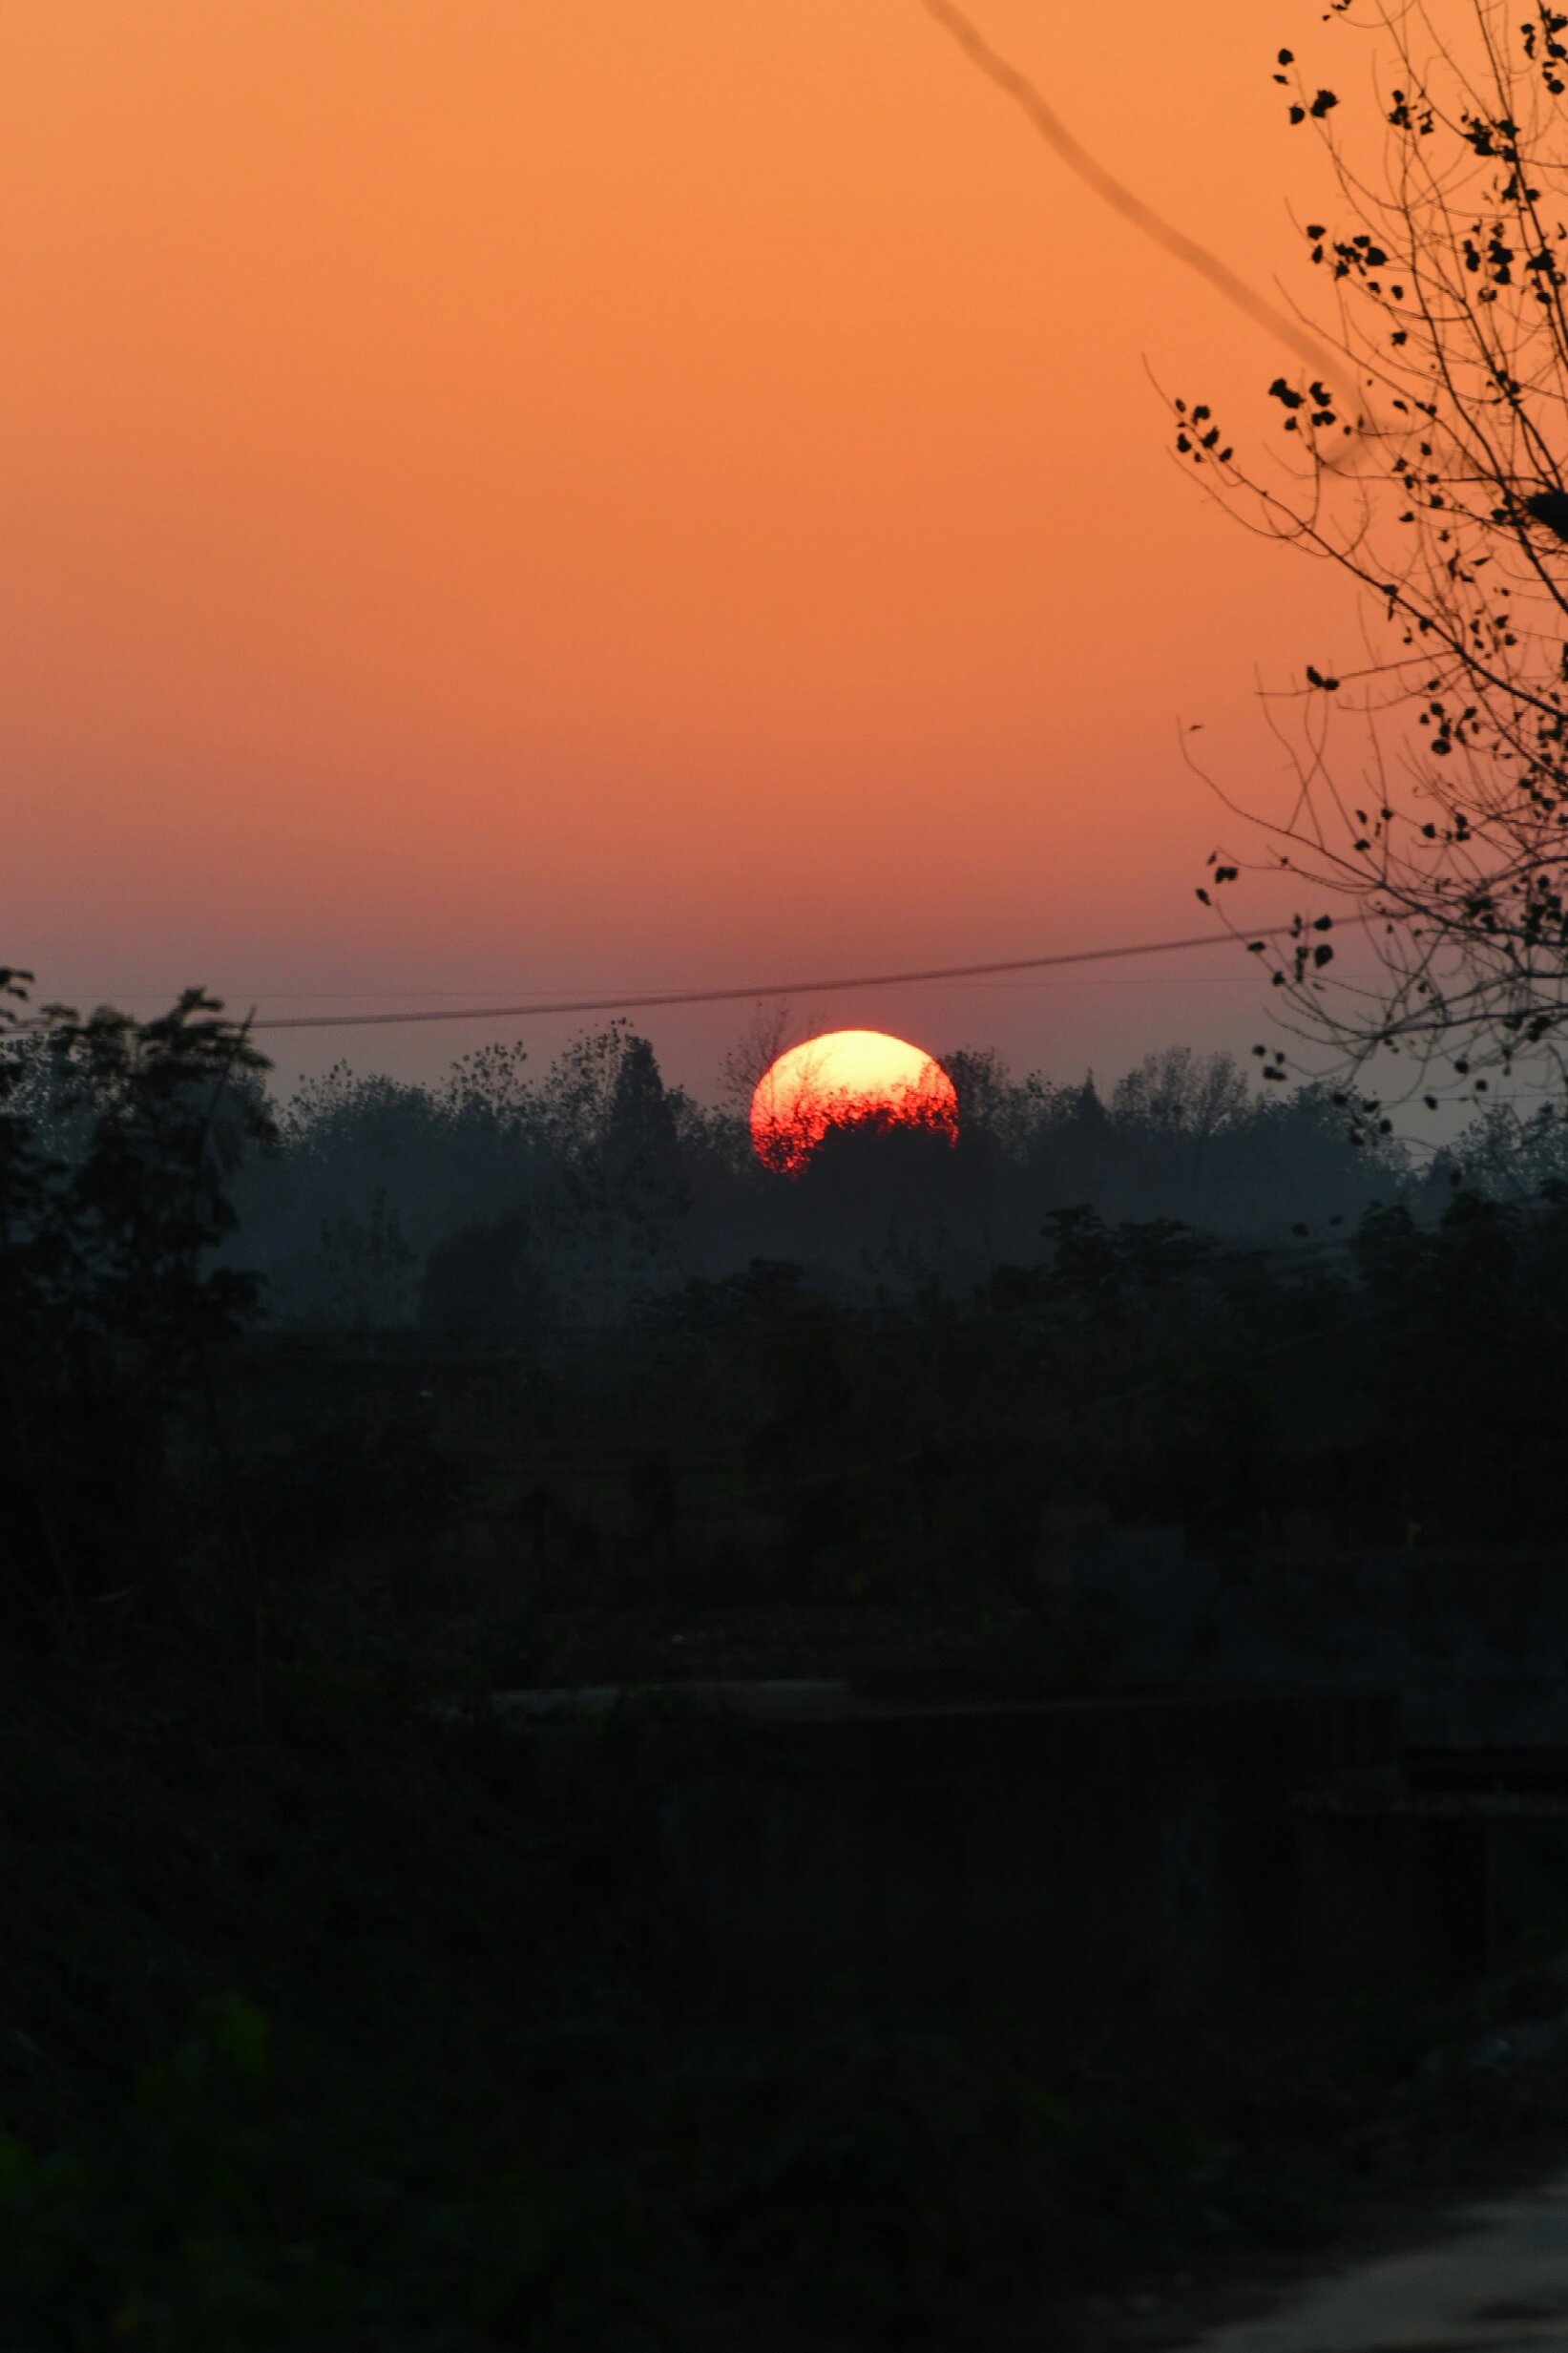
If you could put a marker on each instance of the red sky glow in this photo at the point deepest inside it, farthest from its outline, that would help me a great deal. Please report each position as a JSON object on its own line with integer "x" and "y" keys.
{"x": 550, "y": 498}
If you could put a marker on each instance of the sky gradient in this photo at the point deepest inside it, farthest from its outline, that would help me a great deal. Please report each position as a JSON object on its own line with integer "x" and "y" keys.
{"x": 525, "y": 498}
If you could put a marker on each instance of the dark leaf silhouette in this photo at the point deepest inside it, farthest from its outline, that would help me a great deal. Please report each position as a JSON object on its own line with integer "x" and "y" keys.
{"x": 1418, "y": 473}
{"x": 1551, "y": 508}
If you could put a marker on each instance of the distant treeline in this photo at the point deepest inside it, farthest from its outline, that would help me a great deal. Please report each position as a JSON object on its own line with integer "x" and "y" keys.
{"x": 1188, "y": 1301}
{"x": 565, "y": 1344}
{"x": 494, "y": 1202}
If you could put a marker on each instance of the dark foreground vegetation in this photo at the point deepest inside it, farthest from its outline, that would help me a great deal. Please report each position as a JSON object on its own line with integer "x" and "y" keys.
{"x": 320, "y": 2029}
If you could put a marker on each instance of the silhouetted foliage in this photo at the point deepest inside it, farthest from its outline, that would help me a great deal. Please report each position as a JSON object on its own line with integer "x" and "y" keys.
{"x": 119, "y": 1144}
{"x": 1429, "y": 470}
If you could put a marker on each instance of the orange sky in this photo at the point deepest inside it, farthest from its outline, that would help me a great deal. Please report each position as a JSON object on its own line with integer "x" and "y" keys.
{"x": 529, "y": 495}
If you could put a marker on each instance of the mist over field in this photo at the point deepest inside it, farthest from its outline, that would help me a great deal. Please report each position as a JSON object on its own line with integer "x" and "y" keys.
{"x": 506, "y": 1198}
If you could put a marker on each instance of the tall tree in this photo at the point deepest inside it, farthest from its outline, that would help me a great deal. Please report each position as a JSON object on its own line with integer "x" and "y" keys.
{"x": 1431, "y": 466}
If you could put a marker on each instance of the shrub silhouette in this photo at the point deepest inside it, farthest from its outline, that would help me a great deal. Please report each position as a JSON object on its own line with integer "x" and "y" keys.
{"x": 118, "y": 1139}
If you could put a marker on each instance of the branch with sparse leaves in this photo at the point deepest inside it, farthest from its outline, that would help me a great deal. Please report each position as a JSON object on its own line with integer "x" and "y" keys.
{"x": 1434, "y": 473}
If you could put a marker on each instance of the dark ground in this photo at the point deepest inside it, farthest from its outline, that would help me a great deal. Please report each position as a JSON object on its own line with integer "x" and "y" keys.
{"x": 315, "y": 2036}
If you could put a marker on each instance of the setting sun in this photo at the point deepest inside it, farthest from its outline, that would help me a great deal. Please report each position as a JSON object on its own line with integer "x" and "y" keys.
{"x": 850, "y": 1077}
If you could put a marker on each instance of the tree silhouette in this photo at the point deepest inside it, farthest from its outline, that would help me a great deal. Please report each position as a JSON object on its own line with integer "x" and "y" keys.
{"x": 758, "y": 1046}
{"x": 119, "y": 1141}
{"x": 1431, "y": 471}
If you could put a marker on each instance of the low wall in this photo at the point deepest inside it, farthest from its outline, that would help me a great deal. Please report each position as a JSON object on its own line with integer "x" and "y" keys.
{"x": 1474, "y": 1643}
{"x": 1069, "y": 1848}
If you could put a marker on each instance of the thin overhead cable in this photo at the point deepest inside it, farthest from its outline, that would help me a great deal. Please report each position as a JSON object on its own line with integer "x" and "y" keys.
{"x": 1112, "y": 191}
{"x": 644, "y": 1000}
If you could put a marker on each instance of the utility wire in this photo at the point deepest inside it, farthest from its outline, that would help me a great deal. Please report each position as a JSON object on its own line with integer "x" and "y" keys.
{"x": 640, "y": 1001}
{"x": 1112, "y": 191}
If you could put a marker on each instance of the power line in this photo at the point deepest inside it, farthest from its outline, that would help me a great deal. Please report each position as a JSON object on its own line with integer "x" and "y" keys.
{"x": 645, "y": 1001}
{"x": 1111, "y": 191}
